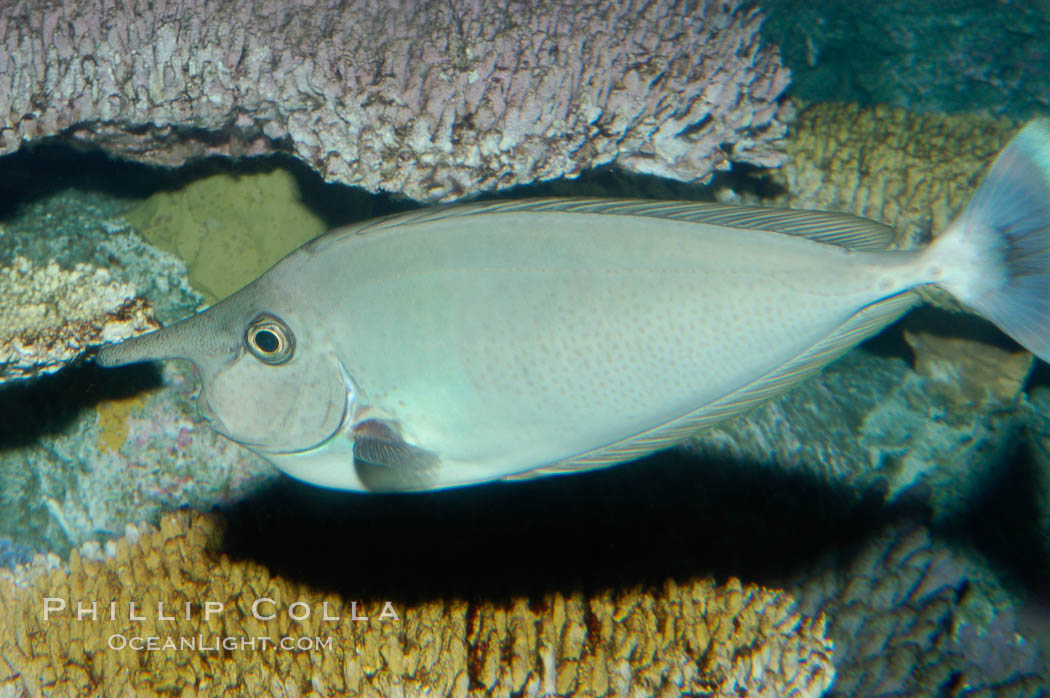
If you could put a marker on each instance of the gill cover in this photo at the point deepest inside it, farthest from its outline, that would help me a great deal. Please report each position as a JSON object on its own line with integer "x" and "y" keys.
{"x": 268, "y": 381}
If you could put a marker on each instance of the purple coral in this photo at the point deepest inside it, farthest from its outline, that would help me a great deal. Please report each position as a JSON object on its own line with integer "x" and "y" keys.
{"x": 911, "y": 617}
{"x": 432, "y": 100}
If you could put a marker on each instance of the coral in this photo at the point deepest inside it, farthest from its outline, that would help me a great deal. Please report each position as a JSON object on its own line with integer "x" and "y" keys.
{"x": 874, "y": 423}
{"x": 432, "y": 100}
{"x": 87, "y": 226}
{"x": 907, "y": 170}
{"x": 228, "y": 228}
{"x": 696, "y": 637}
{"x": 910, "y": 617}
{"x": 84, "y": 451}
{"x": 113, "y": 426}
{"x": 50, "y": 315}
{"x": 118, "y": 458}
{"x": 689, "y": 638}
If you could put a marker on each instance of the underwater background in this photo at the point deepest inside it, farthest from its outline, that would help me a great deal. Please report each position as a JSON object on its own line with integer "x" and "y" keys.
{"x": 890, "y": 516}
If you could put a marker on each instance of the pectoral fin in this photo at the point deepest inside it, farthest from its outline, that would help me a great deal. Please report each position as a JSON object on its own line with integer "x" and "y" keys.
{"x": 385, "y": 462}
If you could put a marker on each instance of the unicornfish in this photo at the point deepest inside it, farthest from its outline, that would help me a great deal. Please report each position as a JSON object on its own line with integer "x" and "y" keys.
{"x": 506, "y": 340}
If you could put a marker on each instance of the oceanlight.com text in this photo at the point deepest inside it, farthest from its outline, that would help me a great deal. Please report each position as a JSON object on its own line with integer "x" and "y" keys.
{"x": 216, "y": 643}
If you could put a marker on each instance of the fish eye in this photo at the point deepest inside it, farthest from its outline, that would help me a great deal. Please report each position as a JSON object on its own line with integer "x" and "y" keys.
{"x": 269, "y": 340}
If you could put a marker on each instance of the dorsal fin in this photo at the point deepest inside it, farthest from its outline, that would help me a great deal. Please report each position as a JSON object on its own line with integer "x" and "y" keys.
{"x": 841, "y": 229}
{"x": 863, "y": 324}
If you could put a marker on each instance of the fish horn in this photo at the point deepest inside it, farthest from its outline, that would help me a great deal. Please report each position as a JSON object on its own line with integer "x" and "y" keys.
{"x": 183, "y": 340}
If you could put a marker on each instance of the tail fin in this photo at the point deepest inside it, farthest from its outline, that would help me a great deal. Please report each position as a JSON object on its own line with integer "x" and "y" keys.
{"x": 996, "y": 254}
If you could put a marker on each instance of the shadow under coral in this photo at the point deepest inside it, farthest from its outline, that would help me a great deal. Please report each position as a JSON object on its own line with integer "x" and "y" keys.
{"x": 49, "y": 404}
{"x": 668, "y": 515}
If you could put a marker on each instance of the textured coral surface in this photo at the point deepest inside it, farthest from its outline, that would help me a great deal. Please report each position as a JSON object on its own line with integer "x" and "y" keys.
{"x": 727, "y": 640}
{"x": 911, "y": 171}
{"x": 433, "y": 100}
{"x": 49, "y": 315}
{"x": 911, "y": 617}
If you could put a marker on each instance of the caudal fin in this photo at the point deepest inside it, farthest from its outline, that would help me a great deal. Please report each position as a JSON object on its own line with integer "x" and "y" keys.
{"x": 996, "y": 254}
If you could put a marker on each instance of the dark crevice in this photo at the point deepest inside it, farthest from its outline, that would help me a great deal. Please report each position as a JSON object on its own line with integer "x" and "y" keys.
{"x": 669, "y": 515}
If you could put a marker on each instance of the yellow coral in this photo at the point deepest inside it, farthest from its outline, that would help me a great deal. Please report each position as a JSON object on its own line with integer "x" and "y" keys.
{"x": 228, "y": 228}
{"x": 694, "y": 637}
{"x": 113, "y": 420}
{"x": 908, "y": 170}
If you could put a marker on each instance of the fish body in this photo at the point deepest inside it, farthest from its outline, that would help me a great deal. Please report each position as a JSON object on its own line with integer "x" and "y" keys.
{"x": 505, "y": 339}
{"x": 463, "y": 344}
